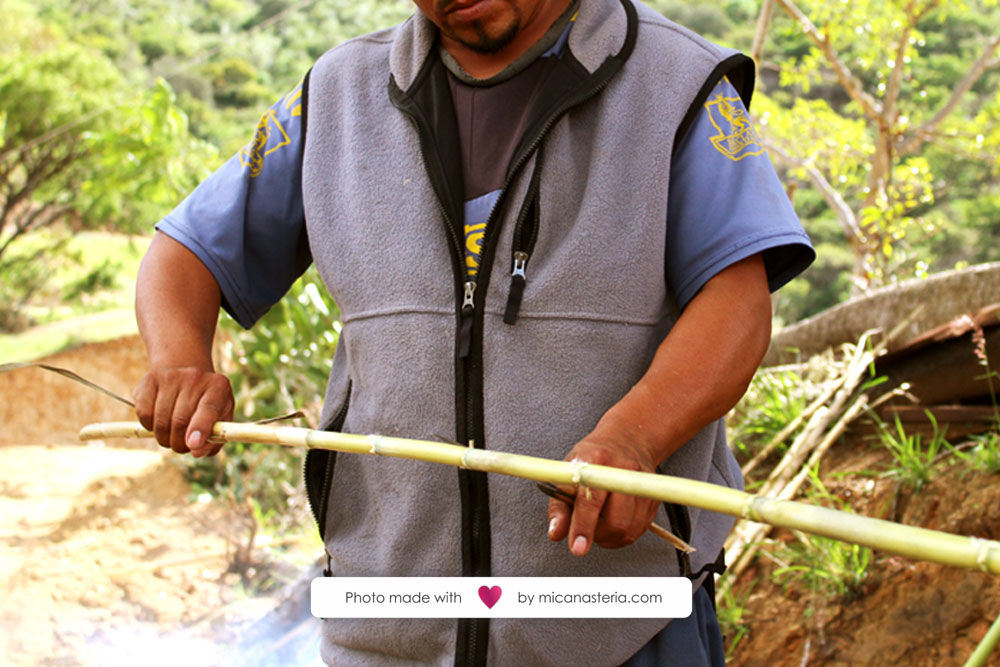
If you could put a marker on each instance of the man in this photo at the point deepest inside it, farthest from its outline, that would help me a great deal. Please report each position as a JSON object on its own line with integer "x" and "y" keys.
{"x": 548, "y": 234}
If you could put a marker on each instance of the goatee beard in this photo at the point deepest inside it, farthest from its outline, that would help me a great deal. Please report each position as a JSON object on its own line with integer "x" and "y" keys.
{"x": 488, "y": 45}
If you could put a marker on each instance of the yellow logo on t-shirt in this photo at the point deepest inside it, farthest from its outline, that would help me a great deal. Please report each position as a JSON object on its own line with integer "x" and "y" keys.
{"x": 253, "y": 154}
{"x": 294, "y": 98}
{"x": 474, "y": 247}
{"x": 737, "y": 138}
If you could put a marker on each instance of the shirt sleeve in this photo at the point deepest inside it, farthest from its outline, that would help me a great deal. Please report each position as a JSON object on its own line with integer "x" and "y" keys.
{"x": 726, "y": 203}
{"x": 246, "y": 222}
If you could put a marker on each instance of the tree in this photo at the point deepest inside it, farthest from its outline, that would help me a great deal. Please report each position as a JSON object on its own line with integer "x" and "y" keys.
{"x": 869, "y": 90}
{"x": 78, "y": 144}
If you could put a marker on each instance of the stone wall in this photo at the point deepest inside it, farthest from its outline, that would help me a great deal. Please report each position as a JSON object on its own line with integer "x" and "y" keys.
{"x": 943, "y": 297}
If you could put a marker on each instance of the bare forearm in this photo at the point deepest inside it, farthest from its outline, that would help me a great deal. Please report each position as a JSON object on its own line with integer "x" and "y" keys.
{"x": 704, "y": 365}
{"x": 177, "y": 306}
{"x": 698, "y": 373}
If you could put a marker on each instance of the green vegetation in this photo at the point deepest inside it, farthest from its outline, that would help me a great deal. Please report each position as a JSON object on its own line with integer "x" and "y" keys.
{"x": 79, "y": 144}
{"x": 282, "y": 364}
{"x": 773, "y": 400}
{"x": 887, "y": 118}
{"x": 985, "y": 452}
{"x": 913, "y": 458}
{"x": 733, "y": 620}
{"x": 87, "y": 297}
{"x": 828, "y": 568}
{"x": 48, "y": 339}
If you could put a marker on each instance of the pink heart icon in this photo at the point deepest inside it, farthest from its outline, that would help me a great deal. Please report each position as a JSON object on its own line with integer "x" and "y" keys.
{"x": 489, "y": 596}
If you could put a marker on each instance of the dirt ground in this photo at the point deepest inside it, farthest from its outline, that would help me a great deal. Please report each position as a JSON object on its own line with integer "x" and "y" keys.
{"x": 105, "y": 557}
{"x": 38, "y": 407}
{"x": 906, "y": 613}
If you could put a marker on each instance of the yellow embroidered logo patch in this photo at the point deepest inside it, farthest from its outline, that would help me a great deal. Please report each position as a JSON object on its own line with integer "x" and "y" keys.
{"x": 253, "y": 154}
{"x": 293, "y": 101}
{"x": 473, "y": 247}
{"x": 736, "y": 138}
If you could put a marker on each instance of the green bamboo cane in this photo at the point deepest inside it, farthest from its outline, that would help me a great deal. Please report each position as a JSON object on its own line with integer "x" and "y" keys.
{"x": 909, "y": 541}
{"x": 985, "y": 647}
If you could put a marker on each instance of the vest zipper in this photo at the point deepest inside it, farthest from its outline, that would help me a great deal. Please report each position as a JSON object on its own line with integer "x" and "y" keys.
{"x": 472, "y": 640}
{"x": 473, "y": 634}
{"x": 465, "y": 328}
{"x": 517, "y": 283}
{"x": 523, "y": 242}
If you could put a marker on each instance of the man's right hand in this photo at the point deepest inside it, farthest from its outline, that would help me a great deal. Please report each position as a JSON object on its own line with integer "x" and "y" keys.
{"x": 177, "y": 304}
{"x": 180, "y": 405}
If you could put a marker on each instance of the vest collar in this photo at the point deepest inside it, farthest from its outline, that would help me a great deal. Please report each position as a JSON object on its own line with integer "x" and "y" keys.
{"x": 599, "y": 33}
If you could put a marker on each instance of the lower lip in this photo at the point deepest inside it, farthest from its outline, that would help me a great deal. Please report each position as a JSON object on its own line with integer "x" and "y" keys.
{"x": 472, "y": 12}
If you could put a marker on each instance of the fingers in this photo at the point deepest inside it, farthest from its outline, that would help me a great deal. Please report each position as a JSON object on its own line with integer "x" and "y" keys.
{"x": 144, "y": 397}
{"x": 610, "y": 520}
{"x": 215, "y": 404}
{"x": 559, "y": 517}
{"x": 163, "y": 414}
{"x": 181, "y": 405}
{"x": 619, "y": 525}
{"x": 586, "y": 514}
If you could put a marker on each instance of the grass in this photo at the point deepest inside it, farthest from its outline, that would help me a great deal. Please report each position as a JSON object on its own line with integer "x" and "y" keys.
{"x": 913, "y": 458}
{"x": 733, "y": 620}
{"x": 64, "y": 334}
{"x": 830, "y": 568}
{"x": 982, "y": 452}
{"x": 773, "y": 399}
{"x": 110, "y": 262}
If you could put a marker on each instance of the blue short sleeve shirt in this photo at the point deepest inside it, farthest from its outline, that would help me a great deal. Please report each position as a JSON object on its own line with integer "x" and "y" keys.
{"x": 726, "y": 203}
{"x": 246, "y": 222}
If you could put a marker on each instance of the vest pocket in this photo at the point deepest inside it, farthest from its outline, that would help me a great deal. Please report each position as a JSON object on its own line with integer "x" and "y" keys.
{"x": 318, "y": 470}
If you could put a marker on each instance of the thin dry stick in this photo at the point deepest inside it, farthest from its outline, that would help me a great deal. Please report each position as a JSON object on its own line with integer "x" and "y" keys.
{"x": 903, "y": 540}
{"x": 793, "y": 459}
{"x": 852, "y": 376}
{"x": 752, "y": 534}
{"x": 747, "y": 542}
{"x": 792, "y": 426}
{"x": 744, "y": 541}
{"x": 745, "y": 535}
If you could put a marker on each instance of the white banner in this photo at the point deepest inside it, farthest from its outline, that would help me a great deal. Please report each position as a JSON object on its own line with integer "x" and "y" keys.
{"x": 501, "y": 597}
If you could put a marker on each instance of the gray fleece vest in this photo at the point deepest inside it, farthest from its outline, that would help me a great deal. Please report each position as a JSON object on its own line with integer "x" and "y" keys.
{"x": 422, "y": 357}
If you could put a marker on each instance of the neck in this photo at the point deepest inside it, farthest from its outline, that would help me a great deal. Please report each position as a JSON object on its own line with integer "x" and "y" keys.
{"x": 485, "y": 65}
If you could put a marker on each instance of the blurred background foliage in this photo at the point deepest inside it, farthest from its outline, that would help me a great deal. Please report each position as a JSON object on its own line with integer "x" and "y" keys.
{"x": 882, "y": 118}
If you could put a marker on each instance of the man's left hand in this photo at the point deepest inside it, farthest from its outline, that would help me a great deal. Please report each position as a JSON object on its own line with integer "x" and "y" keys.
{"x": 612, "y": 520}
{"x": 699, "y": 372}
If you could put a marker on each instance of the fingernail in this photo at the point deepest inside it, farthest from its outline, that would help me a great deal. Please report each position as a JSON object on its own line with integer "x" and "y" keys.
{"x": 580, "y": 545}
{"x": 194, "y": 440}
{"x": 553, "y": 524}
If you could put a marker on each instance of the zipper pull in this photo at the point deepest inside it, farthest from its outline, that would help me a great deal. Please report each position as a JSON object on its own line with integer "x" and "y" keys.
{"x": 517, "y": 283}
{"x": 465, "y": 332}
{"x": 470, "y": 292}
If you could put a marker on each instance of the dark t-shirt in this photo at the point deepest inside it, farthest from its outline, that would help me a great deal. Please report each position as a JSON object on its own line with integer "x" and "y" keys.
{"x": 491, "y": 115}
